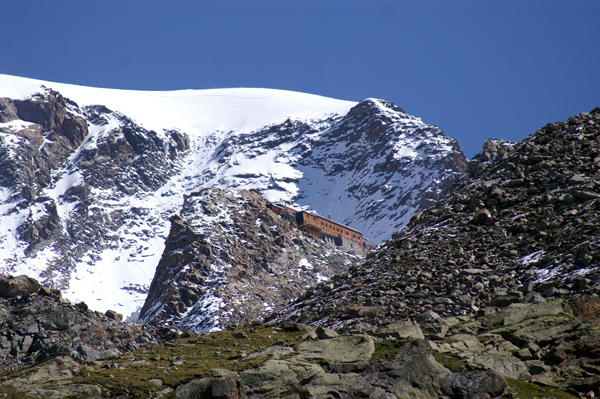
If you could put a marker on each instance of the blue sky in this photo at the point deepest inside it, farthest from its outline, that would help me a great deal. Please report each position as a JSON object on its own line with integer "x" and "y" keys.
{"x": 477, "y": 69}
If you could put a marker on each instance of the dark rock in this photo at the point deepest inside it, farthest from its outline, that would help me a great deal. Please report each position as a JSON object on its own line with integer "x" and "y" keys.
{"x": 111, "y": 314}
{"x": 482, "y": 216}
{"x": 20, "y": 285}
{"x": 8, "y": 111}
{"x": 474, "y": 385}
{"x": 240, "y": 335}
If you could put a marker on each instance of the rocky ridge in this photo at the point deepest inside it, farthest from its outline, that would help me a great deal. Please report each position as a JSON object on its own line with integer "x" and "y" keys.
{"x": 231, "y": 260}
{"x": 66, "y": 175}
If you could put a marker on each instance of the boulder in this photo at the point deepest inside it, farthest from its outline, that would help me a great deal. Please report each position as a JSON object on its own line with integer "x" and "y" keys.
{"x": 20, "y": 285}
{"x": 111, "y": 314}
{"x": 342, "y": 354}
{"x": 517, "y": 312}
{"x": 399, "y": 330}
{"x": 271, "y": 380}
{"x": 223, "y": 384}
{"x": 474, "y": 385}
{"x": 325, "y": 333}
{"x": 414, "y": 373}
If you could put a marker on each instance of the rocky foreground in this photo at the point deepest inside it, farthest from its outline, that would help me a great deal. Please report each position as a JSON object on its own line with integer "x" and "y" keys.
{"x": 549, "y": 349}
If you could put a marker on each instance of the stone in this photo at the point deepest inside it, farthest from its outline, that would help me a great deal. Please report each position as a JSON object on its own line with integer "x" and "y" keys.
{"x": 436, "y": 329}
{"x": 524, "y": 354}
{"x": 518, "y": 312}
{"x": 21, "y": 285}
{"x": 342, "y": 354}
{"x": 427, "y": 316}
{"x": 111, "y": 314}
{"x": 400, "y": 330}
{"x": 240, "y": 335}
{"x": 413, "y": 368}
{"x": 481, "y": 217}
{"x": 272, "y": 379}
{"x": 474, "y": 385}
{"x": 325, "y": 333}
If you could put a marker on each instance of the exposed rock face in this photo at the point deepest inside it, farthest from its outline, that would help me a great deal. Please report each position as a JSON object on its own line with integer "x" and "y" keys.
{"x": 36, "y": 324}
{"x": 54, "y": 128}
{"x": 61, "y": 186}
{"x": 371, "y": 169}
{"x": 230, "y": 260}
{"x": 20, "y": 285}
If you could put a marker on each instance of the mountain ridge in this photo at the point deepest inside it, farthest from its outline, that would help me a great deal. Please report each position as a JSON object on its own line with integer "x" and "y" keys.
{"x": 96, "y": 219}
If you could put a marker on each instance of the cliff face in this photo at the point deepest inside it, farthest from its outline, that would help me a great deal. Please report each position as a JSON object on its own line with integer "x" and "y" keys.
{"x": 231, "y": 260}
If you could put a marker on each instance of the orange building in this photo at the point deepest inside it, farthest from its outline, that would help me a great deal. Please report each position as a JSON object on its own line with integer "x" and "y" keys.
{"x": 323, "y": 228}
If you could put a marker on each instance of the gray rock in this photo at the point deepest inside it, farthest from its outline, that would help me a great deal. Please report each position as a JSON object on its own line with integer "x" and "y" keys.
{"x": 474, "y": 385}
{"x": 518, "y": 312}
{"x": 400, "y": 330}
{"x": 221, "y": 384}
{"x": 436, "y": 329}
{"x": 342, "y": 354}
{"x": 325, "y": 333}
{"x": 413, "y": 373}
{"x": 111, "y": 314}
{"x": 427, "y": 316}
{"x": 270, "y": 380}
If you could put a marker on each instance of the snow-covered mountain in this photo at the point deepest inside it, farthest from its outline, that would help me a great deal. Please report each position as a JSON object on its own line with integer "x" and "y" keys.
{"x": 89, "y": 177}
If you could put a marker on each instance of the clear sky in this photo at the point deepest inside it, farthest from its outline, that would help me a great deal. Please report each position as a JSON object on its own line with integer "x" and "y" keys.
{"x": 477, "y": 69}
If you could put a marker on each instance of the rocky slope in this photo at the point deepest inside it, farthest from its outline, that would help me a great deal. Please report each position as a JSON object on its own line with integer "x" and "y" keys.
{"x": 36, "y": 324}
{"x": 523, "y": 229}
{"x": 89, "y": 177}
{"x": 231, "y": 260}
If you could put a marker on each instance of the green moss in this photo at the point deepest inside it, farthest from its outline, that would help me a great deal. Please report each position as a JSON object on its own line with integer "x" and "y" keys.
{"x": 14, "y": 394}
{"x": 386, "y": 349}
{"x": 526, "y": 390}
{"x": 450, "y": 361}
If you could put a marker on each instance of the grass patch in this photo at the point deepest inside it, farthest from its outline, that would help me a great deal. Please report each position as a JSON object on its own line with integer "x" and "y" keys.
{"x": 177, "y": 362}
{"x": 526, "y": 390}
{"x": 15, "y": 394}
{"x": 386, "y": 349}
{"x": 450, "y": 361}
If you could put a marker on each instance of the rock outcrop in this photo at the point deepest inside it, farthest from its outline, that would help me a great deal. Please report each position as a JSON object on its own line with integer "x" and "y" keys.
{"x": 37, "y": 324}
{"x": 231, "y": 260}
